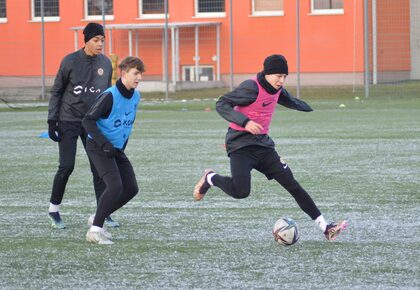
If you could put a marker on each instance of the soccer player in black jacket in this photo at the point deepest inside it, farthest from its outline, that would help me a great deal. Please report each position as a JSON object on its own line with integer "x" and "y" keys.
{"x": 249, "y": 109}
{"x": 82, "y": 76}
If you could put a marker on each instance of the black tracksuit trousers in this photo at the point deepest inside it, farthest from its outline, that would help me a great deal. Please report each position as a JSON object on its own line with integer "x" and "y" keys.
{"x": 119, "y": 178}
{"x": 267, "y": 161}
{"x": 67, "y": 147}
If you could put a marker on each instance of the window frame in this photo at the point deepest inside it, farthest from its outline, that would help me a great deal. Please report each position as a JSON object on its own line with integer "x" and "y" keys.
{"x": 266, "y": 13}
{"x": 207, "y": 14}
{"x": 96, "y": 17}
{"x": 46, "y": 18}
{"x": 4, "y": 19}
{"x": 192, "y": 74}
{"x": 325, "y": 11}
{"x": 151, "y": 16}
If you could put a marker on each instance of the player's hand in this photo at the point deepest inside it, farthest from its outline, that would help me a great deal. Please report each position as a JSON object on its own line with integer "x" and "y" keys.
{"x": 53, "y": 131}
{"x": 253, "y": 128}
{"x": 109, "y": 150}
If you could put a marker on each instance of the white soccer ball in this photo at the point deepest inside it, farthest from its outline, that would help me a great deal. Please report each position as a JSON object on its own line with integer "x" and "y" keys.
{"x": 286, "y": 231}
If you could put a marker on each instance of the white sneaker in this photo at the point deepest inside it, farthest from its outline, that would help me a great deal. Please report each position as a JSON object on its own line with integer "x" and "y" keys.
{"x": 98, "y": 238}
{"x": 104, "y": 231}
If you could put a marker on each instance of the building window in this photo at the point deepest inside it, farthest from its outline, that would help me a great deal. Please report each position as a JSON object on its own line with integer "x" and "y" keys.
{"x": 93, "y": 9}
{"x": 51, "y": 10}
{"x": 152, "y": 9}
{"x": 205, "y": 73}
{"x": 210, "y": 8}
{"x": 267, "y": 7}
{"x": 3, "y": 15}
{"x": 327, "y": 6}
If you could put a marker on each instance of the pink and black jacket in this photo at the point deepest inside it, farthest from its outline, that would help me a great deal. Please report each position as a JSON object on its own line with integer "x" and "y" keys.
{"x": 255, "y": 99}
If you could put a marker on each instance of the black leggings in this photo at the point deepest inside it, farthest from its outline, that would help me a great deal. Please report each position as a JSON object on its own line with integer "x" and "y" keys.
{"x": 119, "y": 178}
{"x": 268, "y": 162}
{"x": 67, "y": 147}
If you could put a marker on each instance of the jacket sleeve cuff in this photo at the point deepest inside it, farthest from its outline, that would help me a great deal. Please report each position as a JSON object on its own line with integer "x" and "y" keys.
{"x": 245, "y": 122}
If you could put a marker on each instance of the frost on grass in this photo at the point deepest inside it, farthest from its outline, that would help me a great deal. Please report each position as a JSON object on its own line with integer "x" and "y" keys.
{"x": 357, "y": 165}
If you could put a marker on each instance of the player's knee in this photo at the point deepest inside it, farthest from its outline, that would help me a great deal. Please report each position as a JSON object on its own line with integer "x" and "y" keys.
{"x": 241, "y": 194}
{"x": 242, "y": 187}
{"x": 113, "y": 183}
{"x": 293, "y": 187}
{"x": 242, "y": 191}
{"x": 96, "y": 177}
{"x": 65, "y": 171}
{"x": 287, "y": 181}
{"x": 116, "y": 188}
{"x": 133, "y": 190}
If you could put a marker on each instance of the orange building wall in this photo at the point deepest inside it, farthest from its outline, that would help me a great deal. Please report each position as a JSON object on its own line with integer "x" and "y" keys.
{"x": 328, "y": 43}
{"x": 21, "y": 39}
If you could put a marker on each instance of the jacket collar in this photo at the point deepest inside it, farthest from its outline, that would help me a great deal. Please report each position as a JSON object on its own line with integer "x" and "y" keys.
{"x": 266, "y": 85}
{"x": 123, "y": 90}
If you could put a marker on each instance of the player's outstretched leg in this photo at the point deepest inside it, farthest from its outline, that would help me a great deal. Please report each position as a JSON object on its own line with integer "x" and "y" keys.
{"x": 334, "y": 229}
{"x": 202, "y": 185}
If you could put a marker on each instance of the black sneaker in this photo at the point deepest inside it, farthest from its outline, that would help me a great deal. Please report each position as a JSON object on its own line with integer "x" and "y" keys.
{"x": 111, "y": 223}
{"x": 56, "y": 221}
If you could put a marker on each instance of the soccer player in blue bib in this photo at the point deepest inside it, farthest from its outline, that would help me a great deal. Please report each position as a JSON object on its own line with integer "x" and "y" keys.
{"x": 109, "y": 123}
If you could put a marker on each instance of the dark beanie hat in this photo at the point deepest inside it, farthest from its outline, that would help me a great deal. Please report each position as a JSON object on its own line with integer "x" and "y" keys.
{"x": 93, "y": 29}
{"x": 275, "y": 64}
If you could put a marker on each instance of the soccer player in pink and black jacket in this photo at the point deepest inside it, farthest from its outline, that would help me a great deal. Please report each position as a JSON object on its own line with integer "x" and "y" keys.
{"x": 249, "y": 109}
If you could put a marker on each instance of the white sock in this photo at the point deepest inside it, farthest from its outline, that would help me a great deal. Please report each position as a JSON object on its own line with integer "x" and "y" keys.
{"x": 54, "y": 207}
{"x": 95, "y": 229}
{"x": 209, "y": 176}
{"x": 320, "y": 221}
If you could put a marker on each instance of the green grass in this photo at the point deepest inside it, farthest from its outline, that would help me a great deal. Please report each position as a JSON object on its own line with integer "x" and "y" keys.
{"x": 359, "y": 163}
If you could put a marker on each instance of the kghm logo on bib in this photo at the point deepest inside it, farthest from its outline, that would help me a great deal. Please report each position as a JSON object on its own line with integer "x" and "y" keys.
{"x": 117, "y": 123}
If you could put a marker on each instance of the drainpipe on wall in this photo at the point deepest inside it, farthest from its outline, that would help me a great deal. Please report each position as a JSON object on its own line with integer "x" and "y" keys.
{"x": 374, "y": 45}
{"x": 298, "y": 49}
{"x": 165, "y": 52}
{"x": 42, "y": 51}
{"x": 366, "y": 46}
{"x": 103, "y": 24}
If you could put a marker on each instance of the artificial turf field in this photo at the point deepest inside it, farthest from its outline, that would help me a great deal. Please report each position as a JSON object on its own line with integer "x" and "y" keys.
{"x": 360, "y": 163}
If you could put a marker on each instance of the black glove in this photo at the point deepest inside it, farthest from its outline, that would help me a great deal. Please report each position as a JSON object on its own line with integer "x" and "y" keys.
{"x": 53, "y": 131}
{"x": 109, "y": 150}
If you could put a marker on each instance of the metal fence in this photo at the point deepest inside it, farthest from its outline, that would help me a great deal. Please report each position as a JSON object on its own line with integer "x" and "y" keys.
{"x": 200, "y": 54}
{"x": 393, "y": 42}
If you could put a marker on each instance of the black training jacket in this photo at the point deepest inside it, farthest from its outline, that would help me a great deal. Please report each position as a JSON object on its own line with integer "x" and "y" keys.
{"x": 79, "y": 80}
